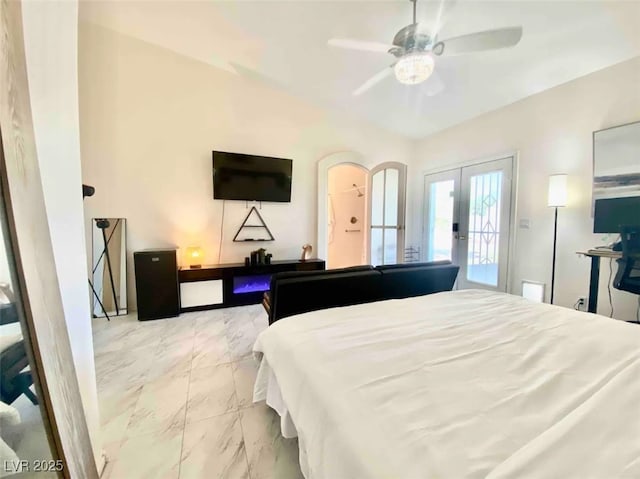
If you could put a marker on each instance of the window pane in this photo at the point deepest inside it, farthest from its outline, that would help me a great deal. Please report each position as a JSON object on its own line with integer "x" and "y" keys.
{"x": 376, "y": 246}
{"x": 391, "y": 197}
{"x": 440, "y": 221}
{"x": 390, "y": 246}
{"x": 377, "y": 198}
{"x": 484, "y": 228}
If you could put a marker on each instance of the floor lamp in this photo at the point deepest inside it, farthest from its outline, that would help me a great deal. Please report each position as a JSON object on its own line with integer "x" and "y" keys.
{"x": 557, "y": 199}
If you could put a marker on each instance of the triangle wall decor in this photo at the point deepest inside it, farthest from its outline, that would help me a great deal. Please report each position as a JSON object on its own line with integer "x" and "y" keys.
{"x": 253, "y": 228}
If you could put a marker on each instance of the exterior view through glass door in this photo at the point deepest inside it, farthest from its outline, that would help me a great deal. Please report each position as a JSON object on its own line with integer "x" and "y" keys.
{"x": 387, "y": 213}
{"x": 467, "y": 220}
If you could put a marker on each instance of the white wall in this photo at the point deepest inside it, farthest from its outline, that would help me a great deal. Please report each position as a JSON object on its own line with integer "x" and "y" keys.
{"x": 50, "y": 31}
{"x": 552, "y": 133}
{"x": 150, "y": 119}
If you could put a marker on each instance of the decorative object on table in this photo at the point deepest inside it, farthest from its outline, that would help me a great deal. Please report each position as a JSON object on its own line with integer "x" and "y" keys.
{"x": 247, "y": 261}
{"x": 194, "y": 257}
{"x": 557, "y": 198}
{"x": 258, "y": 257}
{"x": 306, "y": 252}
{"x": 616, "y": 169}
{"x": 267, "y": 258}
{"x": 253, "y": 228}
{"x": 109, "y": 271}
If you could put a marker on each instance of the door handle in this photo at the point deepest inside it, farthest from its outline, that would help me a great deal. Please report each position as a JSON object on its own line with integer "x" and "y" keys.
{"x": 462, "y": 237}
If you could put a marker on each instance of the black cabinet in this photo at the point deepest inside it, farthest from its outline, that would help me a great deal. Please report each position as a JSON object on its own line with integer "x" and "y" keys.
{"x": 157, "y": 289}
{"x": 239, "y": 284}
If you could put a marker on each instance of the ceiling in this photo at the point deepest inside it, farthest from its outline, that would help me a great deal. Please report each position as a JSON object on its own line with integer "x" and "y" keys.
{"x": 284, "y": 43}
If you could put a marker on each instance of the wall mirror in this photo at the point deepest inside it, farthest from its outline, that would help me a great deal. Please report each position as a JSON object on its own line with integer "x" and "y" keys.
{"x": 23, "y": 420}
{"x": 109, "y": 267}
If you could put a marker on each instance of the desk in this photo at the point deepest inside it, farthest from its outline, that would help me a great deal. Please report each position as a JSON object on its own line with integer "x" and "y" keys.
{"x": 594, "y": 279}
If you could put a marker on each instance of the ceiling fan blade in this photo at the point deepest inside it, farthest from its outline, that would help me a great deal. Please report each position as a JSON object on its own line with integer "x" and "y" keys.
{"x": 377, "y": 78}
{"x": 360, "y": 45}
{"x": 480, "y": 41}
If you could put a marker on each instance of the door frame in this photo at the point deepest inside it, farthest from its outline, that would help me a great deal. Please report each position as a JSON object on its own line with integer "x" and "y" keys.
{"x": 515, "y": 155}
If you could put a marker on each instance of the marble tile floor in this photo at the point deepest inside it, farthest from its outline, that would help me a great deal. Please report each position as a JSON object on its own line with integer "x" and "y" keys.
{"x": 175, "y": 399}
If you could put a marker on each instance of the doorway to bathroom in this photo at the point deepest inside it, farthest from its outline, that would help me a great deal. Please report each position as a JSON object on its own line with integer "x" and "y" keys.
{"x": 361, "y": 211}
{"x": 347, "y": 210}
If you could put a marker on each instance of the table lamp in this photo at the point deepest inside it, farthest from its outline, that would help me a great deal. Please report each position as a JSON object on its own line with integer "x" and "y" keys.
{"x": 194, "y": 257}
{"x": 557, "y": 198}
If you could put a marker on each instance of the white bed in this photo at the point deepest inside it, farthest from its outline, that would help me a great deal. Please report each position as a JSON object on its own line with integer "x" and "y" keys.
{"x": 456, "y": 385}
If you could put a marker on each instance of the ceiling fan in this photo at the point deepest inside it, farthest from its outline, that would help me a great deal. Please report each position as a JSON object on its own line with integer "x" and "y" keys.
{"x": 414, "y": 48}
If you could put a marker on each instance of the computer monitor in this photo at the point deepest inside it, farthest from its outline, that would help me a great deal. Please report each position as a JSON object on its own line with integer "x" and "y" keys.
{"x": 611, "y": 213}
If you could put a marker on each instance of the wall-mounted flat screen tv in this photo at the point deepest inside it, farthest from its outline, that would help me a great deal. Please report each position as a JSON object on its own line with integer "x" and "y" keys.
{"x": 237, "y": 176}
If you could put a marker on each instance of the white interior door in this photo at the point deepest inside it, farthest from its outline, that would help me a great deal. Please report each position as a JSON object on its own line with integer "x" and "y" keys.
{"x": 387, "y": 212}
{"x": 467, "y": 220}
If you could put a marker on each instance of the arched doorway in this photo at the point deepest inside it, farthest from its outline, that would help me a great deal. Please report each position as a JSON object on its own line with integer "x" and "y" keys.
{"x": 347, "y": 233}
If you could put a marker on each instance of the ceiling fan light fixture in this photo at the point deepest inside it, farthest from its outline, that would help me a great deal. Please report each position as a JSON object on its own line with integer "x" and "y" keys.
{"x": 414, "y": 68}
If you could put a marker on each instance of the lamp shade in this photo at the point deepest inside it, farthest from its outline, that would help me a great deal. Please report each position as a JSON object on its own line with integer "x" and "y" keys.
{"x": 194, "y": 256}
{"x": 557, "y": 190}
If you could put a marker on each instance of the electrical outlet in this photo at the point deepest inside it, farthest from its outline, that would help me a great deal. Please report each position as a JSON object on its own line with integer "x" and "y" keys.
{"x": 581, "y": 304}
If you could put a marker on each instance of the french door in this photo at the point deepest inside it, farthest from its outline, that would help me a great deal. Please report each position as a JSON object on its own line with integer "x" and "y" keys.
{"x": 387, "y": 186}
{"x": 467, "y": 220}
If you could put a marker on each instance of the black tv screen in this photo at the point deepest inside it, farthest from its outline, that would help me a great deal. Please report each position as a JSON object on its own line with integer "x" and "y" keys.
{"x": 237, "y": 176}
{"x": 611, "y": 213}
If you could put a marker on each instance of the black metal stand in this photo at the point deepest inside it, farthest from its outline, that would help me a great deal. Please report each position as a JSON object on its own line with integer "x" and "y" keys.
{"x": 594, "y": 280}
{"x": 555, "y": 241}
{"x": 99, "y": 302}
{"x": 103, "y": 224}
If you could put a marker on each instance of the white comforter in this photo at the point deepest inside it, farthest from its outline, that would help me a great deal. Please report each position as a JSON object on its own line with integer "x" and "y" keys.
{"x": 457, "y": 385}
